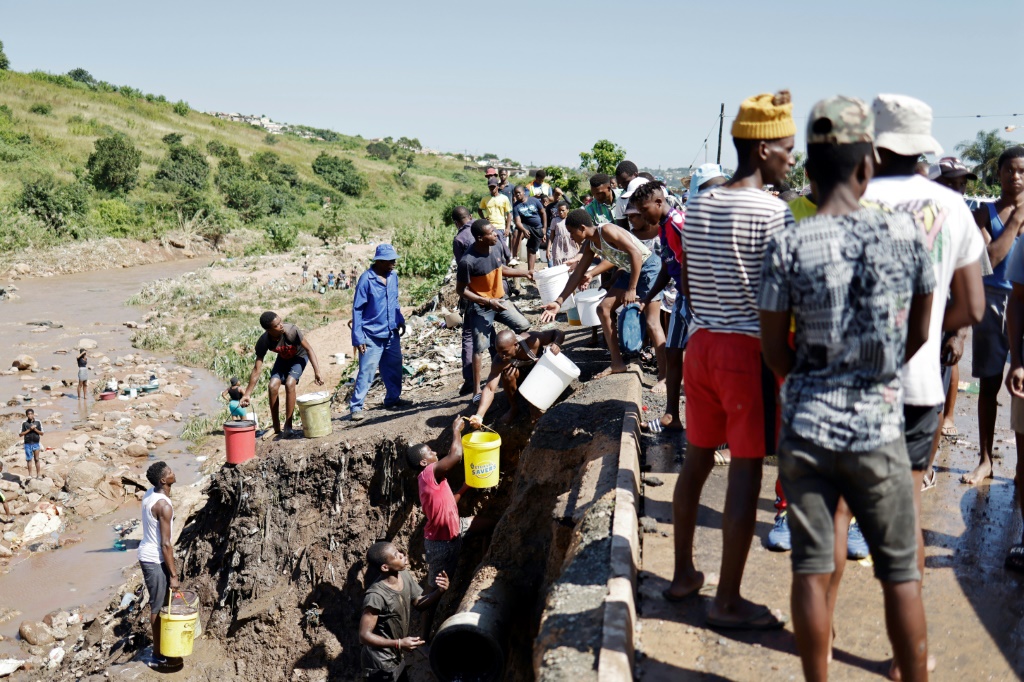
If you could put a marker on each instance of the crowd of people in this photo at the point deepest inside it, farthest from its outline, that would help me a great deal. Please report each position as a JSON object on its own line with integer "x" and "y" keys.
{"x": 822, "y": 324}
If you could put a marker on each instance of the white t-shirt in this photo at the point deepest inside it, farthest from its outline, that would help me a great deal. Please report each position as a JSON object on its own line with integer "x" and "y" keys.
{"x": 954, "y": 240}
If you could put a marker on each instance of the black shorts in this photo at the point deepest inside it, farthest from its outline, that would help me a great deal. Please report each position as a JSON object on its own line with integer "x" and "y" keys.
{"x": 284, "y": 368}
{"x": 535, "y": 242}
{"x": 921, "y": 423}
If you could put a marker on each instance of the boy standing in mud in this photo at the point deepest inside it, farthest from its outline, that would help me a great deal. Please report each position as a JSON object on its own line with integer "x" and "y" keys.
{"x": 293, "y": 351}
{"x": 387, "y": 612}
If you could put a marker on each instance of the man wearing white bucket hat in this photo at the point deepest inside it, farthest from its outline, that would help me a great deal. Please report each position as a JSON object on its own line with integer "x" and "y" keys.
{"x": 514, "y": 353}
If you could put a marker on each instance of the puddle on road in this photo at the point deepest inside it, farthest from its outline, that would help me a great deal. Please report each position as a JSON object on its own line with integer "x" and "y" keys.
{"x": 84, "y": 573}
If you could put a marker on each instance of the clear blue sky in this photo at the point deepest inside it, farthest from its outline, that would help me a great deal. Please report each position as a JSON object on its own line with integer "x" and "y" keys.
{"x": 537, "y": 82}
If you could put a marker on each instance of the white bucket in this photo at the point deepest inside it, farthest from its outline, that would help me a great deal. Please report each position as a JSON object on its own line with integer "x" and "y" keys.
{"x": 339, "y": 358}
{"x": 550, "y": 282}
{"x": 586, "y": 304}
{"x": 134, "y": 393}
{"x": 549, "y": 377}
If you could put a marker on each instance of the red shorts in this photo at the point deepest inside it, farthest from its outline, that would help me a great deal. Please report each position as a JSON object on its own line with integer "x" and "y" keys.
{"x": 730, "y": 395}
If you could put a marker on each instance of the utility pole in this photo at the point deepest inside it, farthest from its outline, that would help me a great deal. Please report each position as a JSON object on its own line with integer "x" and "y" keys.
{"x": 721, "y": 120}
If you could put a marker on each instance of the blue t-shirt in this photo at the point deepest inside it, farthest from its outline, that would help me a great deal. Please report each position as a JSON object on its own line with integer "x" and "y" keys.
{"x": 529, "y": 212}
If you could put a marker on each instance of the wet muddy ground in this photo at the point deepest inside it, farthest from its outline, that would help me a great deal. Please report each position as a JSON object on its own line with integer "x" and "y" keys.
{"x": 974, "y": 607}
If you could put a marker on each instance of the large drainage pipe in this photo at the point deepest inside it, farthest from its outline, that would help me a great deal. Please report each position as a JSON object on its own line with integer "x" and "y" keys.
{"x": 469, "y": 646}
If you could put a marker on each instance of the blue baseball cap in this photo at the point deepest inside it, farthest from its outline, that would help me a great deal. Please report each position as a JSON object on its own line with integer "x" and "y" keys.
{"x": 703, "y": 173}
{"x": 385, "y": 252}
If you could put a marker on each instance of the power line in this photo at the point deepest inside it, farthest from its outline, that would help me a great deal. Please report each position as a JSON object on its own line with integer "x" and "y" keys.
{"x": 705, "y": 143}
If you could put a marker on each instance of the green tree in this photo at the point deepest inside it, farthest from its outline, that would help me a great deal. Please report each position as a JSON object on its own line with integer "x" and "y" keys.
{"x": 5, "y": 63}
{"x": 567, "y": 179}
{"x": 433, "y": 191}
{"x": 410, "y": 144}
{"x": 341, "y": 174}
{"x": 332, "y": 226}
{"x": 183, "y": 168}
{"x": 405, "y": 160}
{"x": 603, "y": 157}
{"x": 797, "y": 176}
{"x": 379, "y": 150}
{"x": 983, "y": 151}
{"x": 282, "y": 236}
{"x": 55, "y": 203}
{"x": 81, "y": 76}
{"x": 114, "y": 166}
{"x": 181, "y": 108}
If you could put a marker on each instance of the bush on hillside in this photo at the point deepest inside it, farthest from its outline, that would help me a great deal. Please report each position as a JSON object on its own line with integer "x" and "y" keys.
{"x": 433, "y": 191}
{"x": 81, "y": 76}
{"x": 269, "y": 167}
{"x": 183, "y": 168}
{"x": 282, "y": 236}
{"x": 379, "y": 150}
{"x": 181, "y": 108}
{"x": 270, "y": 139}
{"x": 41, "y": 108}
{"x": 115, "y": 217}
{"x": 114, "y": 166}
{"x": 247, "y": 196}
{"x": 341, "y": 174}
{"x": 5, "y": 63}
{"x": 171, "y": 139}
{"x": 425, "y": 251}
{"x": 332, "y": 225}
{"x": 55, "y": 203}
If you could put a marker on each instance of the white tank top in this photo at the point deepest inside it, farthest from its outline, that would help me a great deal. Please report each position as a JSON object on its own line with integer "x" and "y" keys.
{"x": 149, "y": 548}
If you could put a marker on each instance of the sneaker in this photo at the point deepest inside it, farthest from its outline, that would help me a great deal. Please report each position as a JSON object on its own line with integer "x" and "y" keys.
{"x": 399, "y": 404}
{"x": 358, "y": 416}
{"x": 856, "y": 545}
{"x": 513, "y": 262}
{"x": 779, "y": 537}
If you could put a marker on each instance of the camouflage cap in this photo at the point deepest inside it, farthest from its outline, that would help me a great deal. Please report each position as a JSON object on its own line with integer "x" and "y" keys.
{"x": 840, "y": 120}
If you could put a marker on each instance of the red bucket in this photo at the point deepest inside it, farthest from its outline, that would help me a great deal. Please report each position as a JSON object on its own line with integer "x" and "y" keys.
{"x": 240, "y": 439}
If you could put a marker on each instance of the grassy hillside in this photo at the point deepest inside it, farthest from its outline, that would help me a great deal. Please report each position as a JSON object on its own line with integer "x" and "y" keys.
{"x": 49, "y": 127}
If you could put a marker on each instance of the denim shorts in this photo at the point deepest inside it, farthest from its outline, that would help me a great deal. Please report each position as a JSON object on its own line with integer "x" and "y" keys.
{"x": 648, "y": 273}
{"x": 291, "y": 367}
{"x": 30, "y": 450}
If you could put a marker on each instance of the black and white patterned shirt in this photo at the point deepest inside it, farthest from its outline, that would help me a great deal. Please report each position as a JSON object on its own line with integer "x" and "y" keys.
{"x": 848, "y": 281}
{"x": 727, "y": 232}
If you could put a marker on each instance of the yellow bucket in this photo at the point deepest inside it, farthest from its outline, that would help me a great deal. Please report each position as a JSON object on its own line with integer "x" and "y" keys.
{"x": 481, "y": 452}
{"x": 178, "y": 625}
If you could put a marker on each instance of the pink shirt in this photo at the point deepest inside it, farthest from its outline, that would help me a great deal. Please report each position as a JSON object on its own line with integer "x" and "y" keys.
{"x": 439, "y": 507}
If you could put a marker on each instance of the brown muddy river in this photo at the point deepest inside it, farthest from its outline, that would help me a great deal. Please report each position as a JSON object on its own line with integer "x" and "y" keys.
{"x": 88, "y": 305}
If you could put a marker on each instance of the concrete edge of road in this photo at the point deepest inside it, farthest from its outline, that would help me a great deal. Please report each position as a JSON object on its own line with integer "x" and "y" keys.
{"x": 615, "y": 661}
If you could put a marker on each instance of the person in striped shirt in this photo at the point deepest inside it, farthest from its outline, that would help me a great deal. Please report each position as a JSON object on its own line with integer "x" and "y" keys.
{"x": 730, "y": 392}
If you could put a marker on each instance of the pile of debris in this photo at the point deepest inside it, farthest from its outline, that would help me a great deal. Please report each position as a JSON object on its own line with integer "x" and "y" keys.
{"x": 47, "y": 641}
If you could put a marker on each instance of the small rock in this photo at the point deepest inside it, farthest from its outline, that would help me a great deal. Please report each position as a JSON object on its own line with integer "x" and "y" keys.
{"x": 24, "y": 362}
{"x": 649, "y": 525}
{"x": 653, "y": 481}
{"x": 5, "y": 552}
{"x": 136, "y": 450}
{"x": 35, "y": 633}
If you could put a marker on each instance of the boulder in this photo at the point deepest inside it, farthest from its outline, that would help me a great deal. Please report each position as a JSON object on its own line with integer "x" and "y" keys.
{"x": 35, "y": 633}
{"x": 5, "y": 552}
{"x": 56, "y": 619}
{"x": 24, "y": 362}
{"x": 73, "y": 448}
{"x": 83, "y": 475}
{"x": 21, "y": 268}
{"x": 40, "y": 486}
{"x": 136, "y": 450}
{"x": 87, "y": 344}
{"x": 113, "y": 416}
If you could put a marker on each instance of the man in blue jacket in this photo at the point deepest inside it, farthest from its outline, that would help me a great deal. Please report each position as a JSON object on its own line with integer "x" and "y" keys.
{"x": 377, "y": 325}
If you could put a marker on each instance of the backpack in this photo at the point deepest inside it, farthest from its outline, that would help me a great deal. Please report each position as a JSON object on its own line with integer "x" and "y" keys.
{"x": 631, "y": 329}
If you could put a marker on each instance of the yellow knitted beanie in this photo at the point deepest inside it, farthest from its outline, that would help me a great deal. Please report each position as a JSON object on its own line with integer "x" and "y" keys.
{"x": 765, "y": 117}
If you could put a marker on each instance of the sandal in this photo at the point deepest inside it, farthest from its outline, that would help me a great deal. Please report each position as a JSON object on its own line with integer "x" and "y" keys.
{"x": 1015, "y": 559}
{"x": 722, "y": 457}
{"x": 929, "y": 482}
{"x": 950, "y": 432}
{"x": 751, "y": 622}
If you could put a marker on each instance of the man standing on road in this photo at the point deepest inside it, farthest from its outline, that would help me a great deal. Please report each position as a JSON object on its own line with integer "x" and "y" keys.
{"x": 156, "y": 550}
{"x": 728, "y": 229}
{"x": 377, "y": 328}
{"x": 478, "y": 281}
{"x": 531, "y": 222}
{"x": 1001, "y": 223}
{"x": 293, "y": 352}
{"x": 31, "y": 431}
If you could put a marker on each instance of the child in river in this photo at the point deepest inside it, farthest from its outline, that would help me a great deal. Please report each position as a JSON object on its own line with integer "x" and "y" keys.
{"x": 233, "y": 394}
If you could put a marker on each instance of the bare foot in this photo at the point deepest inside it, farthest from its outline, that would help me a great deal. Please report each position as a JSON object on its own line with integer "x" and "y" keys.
{"x": 620, "y": 369}
{"x": 894, "y": 672}
{"x": 658, "y": 388}
{"x": 670, "y": 422}
{"x": 688, "y": 586}
{"x": 980, "y": 473}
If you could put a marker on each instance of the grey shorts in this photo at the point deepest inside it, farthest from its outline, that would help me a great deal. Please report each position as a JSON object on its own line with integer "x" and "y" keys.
{"x": 482, "y": 320}
{"x": 157, "y": 579}
{"x": 83, "y": 374}
{"x": 443, "y": 555}
{"x": 879, "y": 489}
{"x": 920, "y": 425}
{"x": 990, "y": 341}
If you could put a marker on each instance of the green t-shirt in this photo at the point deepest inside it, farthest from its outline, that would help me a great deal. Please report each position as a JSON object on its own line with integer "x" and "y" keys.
{"x": 394, "y": 612}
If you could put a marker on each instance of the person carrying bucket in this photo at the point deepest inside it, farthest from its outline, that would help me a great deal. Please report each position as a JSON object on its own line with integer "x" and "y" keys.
{"x": 156, "y": 550}
{"x": 293, "y": 352}
{"x": 444, "y": 529}
{"x": 515, "y": 355}
{"x": 377, "y": 328}
{"x": 618, "y": 248}
{"x": 233, "y": 394}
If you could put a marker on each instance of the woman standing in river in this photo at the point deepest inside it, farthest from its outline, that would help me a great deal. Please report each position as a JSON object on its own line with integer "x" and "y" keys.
{"x": 83, "y": 374}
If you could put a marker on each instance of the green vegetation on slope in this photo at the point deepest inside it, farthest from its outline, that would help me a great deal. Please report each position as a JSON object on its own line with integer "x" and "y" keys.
{"x": 81, "y": 158}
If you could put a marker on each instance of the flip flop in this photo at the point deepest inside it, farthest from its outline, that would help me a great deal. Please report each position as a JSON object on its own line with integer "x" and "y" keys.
{"x": 929, "y": 482}
{"x": 750, "y": 623}
{"x": 1015, "y": 559}
{"x": 950, "y": 431}
{"x": 722, "y": 458}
